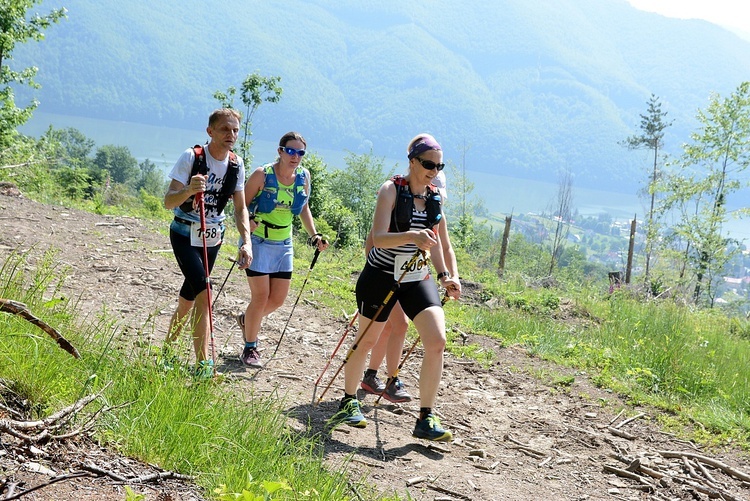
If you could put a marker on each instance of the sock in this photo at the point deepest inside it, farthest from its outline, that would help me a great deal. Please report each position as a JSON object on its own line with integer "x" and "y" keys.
{"x": 348, "y": 397}
{"x": 423, "y": 411}
{"x": 371, "y": 372}
{"x": 251, "y": 344}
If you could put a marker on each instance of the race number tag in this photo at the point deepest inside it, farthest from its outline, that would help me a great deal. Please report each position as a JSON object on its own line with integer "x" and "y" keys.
{"x": 213, "y": 235}
{"x": 417, "y": 269}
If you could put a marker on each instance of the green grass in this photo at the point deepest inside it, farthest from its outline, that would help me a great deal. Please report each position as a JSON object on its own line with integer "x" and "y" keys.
{"x": 213, "y": 431}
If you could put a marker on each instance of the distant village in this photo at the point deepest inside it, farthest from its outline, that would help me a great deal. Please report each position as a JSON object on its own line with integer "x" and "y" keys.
{"x": 605, "y": 240}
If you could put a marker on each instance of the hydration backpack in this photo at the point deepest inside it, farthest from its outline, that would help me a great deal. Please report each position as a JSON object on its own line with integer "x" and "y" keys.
{"x": 265, "y": 201}
{"x": 402, "y": 212}
{"x": 230, "y": 179}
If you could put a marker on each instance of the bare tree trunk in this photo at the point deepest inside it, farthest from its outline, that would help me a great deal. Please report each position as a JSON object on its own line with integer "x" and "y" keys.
{"x": 504, "y": 247}
{"x": 630, "y": 251}
{"x": 562, "y": 210}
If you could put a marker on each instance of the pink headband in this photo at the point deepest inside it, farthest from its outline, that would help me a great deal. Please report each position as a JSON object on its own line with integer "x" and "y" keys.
{"x": 421, "y": 145}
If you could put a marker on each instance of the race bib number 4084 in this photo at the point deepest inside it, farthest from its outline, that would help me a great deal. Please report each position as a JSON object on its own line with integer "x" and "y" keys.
{"x": 411, "y": 269}
{"x": 213, "y": 235}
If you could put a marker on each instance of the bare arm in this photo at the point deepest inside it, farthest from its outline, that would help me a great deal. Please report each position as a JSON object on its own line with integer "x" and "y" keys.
{"x": 308, "y": 222}
{"x": 253, "y": 186}
{"x": 243, "y": 226}
{"x": 451, "y": 265}
{"x": 451, "y": 283}
{"x": 178, "y": 193}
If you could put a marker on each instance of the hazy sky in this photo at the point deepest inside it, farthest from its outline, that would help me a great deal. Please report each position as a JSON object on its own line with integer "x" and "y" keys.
{"x": 733, "y": 14}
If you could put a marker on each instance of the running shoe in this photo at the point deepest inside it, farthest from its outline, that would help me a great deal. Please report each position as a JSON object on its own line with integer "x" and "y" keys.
{"x": 372, "y": 384}
{"x": 395, "y": 392}
{"x": 251, "y": 358}
{"x": 348, "y": 413}
{"x": 429, "y": 428}
{"x": 168, "y": 360}
{"x": 204, "y": 370}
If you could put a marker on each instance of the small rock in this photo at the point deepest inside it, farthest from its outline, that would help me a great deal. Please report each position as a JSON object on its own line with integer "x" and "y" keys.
{"x": 38, "y": 468}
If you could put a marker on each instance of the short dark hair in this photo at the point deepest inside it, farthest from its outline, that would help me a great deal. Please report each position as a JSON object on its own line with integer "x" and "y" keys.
{"x": 290, "y": 136}
{"x": 216, "y": 115}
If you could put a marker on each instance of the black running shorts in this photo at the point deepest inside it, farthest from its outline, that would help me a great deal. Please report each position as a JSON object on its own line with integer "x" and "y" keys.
{"x": 190, "y": 260}
{"x": 374, "y": 285}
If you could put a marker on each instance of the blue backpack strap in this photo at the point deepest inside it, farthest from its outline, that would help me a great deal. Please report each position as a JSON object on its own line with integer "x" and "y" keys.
{"x": 300, "y": 194}
{"x": 265, "y": 201}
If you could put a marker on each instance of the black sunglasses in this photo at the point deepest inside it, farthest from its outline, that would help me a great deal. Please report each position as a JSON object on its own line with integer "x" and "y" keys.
{"x": 430, "y": 165}
{"x": 291, "y": 151}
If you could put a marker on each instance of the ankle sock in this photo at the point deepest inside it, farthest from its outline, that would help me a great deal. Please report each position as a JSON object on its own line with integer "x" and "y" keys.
{"x": 423, "y": 411}
{"x": 371, "y": 372}
{"x": 251, "y": 344}
{"x": 348, "y": 397}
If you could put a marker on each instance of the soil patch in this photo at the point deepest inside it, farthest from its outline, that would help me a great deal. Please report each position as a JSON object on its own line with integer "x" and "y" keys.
{"x": 524, "y": 429}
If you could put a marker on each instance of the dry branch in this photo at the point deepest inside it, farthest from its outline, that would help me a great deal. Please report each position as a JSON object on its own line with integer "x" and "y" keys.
{"x": 709, "y": 461}
{"x": 20, "y": 309}
{"x": 448, "y": 491}
{"x": 630, "y": 419}
{"x": 711, "y": 493}
{"x": 526, "y": 447}
{"x": 59, "y": 478}
{"x": 621, "y": 433}
{"x": 627, "y": 474}
{"x": 21, "y": 429}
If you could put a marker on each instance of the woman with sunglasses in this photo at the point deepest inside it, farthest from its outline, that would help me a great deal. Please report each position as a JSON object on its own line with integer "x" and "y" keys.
{"x": 278, "y": 191}
{"x": 398, "y": 235}
{"x": 390, "y": 344}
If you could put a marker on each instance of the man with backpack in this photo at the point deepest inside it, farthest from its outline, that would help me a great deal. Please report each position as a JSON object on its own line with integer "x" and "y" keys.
{"x": 215, "y": 173}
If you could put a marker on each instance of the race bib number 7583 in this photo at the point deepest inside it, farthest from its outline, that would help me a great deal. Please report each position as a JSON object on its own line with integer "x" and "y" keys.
{"x": 213, "y": 235}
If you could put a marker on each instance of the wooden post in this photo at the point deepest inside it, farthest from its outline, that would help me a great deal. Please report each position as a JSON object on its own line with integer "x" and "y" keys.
{"x": 504, "y": 246}
{"x": 630, "y": 251}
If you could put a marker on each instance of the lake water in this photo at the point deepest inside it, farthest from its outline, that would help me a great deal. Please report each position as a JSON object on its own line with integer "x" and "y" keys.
{"x": 501, "y": 194}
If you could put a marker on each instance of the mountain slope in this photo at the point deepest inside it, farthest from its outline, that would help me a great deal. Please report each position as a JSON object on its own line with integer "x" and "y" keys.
{"x": 530, "y": 87}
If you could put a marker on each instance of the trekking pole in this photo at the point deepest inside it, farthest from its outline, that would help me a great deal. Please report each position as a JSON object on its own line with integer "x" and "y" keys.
{"x": 343, "y": 336}
{"x": 392, "y": 378}
{"x": 202, "y": 206}
{"x": 218, "y": 294}
{"x": 309, "y": 270}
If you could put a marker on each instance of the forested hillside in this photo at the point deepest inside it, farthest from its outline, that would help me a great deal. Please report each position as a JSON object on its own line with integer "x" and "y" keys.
{"x": 528, "y": 87}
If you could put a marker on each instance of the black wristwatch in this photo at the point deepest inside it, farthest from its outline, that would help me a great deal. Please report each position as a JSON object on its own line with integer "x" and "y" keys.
{"x": 443, "y": 274}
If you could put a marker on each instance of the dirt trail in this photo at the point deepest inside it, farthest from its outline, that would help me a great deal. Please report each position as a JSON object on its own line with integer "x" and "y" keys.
{"x": 516, "y": 437}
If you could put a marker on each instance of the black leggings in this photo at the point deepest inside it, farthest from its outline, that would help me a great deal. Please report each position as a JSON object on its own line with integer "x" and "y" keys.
{"x": 190, "y": 260}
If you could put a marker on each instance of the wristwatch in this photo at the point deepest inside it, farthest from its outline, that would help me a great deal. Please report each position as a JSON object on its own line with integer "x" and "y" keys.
{"x": 442, "y": 274}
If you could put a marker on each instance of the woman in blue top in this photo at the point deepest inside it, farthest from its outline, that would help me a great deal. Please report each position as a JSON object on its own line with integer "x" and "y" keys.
{"x": 277, "y": 192}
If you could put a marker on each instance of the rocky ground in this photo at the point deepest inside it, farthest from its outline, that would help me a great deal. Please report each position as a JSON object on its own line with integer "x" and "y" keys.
{"x": 517, "y": 434}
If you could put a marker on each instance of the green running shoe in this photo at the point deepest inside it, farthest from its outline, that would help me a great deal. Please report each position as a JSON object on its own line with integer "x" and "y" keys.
{"x": 429, "y": 428}
{"x": 348, "y": 413}
{"x": 204, "y": 370}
